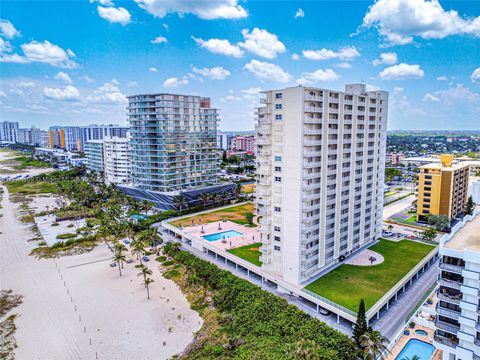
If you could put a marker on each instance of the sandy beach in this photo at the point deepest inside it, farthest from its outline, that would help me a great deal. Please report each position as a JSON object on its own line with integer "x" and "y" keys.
{"x": 78, "y": 307}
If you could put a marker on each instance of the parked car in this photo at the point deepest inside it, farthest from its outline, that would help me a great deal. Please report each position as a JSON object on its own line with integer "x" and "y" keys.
{"x": 129, "y": 261}
{"x": 113, "y": 264}
{"x": 145, "y": 258}
{"x": 387, "y": 233}
{"x": 323, "y": 311}
{"x": 126, "y": 241}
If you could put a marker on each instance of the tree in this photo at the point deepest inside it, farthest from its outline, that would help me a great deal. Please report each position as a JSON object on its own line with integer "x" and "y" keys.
{"x": 373, "y": 344}
{"x": 204, "y": 199}
{"x": 429, "y": 234}
{"x": 138, "y": 249}
{"x": 390, "y": 227}
{"x": 147, "y": 283}
{"x": 414, "y": 357}
{"x": 224, "y": 156}
{"x": 180, "y": 202}
{"x": 144, "y": 271}
{"x": 249, "y": 216}
{"x": 441, "y": 222}
{"x": 361, "y": 326}
{"x": 469, "y": 206}
{"x": 119, "y": 258}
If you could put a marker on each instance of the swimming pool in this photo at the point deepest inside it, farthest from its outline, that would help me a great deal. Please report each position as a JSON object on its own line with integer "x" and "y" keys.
{"x": 222, "y": 235}
{"x": 421, "y": 332}
{"x": 416, "y": 347}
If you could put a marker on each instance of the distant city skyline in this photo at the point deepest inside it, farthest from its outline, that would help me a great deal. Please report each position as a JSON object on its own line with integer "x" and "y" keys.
{"x": 63, "y": 70}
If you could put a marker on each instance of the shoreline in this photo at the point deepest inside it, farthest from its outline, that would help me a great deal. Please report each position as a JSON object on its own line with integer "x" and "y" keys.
{"x": 78, "y": 307}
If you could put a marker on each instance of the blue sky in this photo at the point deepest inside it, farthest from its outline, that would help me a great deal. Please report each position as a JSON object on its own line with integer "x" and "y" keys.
{"x": 72, "y": 62}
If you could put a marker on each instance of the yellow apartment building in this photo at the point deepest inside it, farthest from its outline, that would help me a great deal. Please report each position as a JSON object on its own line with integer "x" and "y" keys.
{"x": 442, "y": 188}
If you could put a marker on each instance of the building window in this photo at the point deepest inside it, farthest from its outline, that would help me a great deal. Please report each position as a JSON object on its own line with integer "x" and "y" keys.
{"x": 278, "y": 168}
{"x": 276, "y": 228}
{"x": 278, "y": 179}
{"x": 277, "y": 209}
{"x": 276, "y": 238}
{"x": 278, "y": 95}
{"x": 278, "y": 158}
{"x": 276, "y": 248}
{"x": 278, "y": 106}
{"x": 278, "y": 117}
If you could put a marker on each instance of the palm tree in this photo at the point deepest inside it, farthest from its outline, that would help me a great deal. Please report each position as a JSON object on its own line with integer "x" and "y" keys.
{"x": 176, "y": 246}
{"x": 147, "y": 206}
{"x": 138, "y": 249}
{"x": 147, "y": 283}
{"x": 119, "y": 258}
{"x": 414, "y": 357}
{"x": 204, "y": 198}
{"x": 180, "y": 202}
{"x": 217, "y": 199}
{"x": 144, "y": 271}
{"x": 374, "y": 344}
{"x": 225, "y": 197}
{"x": 193, "y": 278}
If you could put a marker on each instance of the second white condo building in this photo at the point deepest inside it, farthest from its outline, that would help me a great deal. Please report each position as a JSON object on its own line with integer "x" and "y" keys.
{"x": 320, "y": 174}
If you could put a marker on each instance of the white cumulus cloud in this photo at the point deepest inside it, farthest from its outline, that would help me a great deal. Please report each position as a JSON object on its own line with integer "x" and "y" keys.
{"x": 299, "y": 14}
{"x": 216, "y": 73}
{"x": 69, "y": 92}
{"x": 400, "y": 21}
{"x": 346, "y": 53}
{"x": 475, "y": 75}
{"x": 118, "y": 15}
{"x": 388, "y": 58}
{"x": 174, "y": 82}
{"x": 43, "y": 52}
{"x": 108, "y": 93}
{"x": 5, "y": 46}
{"x": 262, "y": 43}
{"x": 207, "y": 10}
{"x": 64, "y": 77}
{"x": 309, "y": 78}
{"x": 295, "y": 57}
{"x": 402, "y": 71}
{"x": 219, "y": 46}
{"x": 455, "y": 96}
{"x": 431, "y": 98}
{"x": 159, "y": 40}
{"x": 7, "y": 29}
{"x": 267, "y": 71}
{"x": 152, "y": 69}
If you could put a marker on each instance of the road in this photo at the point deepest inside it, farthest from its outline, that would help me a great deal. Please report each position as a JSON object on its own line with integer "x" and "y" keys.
{"x": 397, "y": 206}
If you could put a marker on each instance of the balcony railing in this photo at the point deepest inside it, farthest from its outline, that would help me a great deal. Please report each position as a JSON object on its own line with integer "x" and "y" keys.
{"x": 445, "y": 341}
{"x": 450, "y": 267}
{"x": 449, "y": 298}
{"x": 313, "y": 109}
{"x": 453, "y": 329}
{"x": 452, "y": 314}
{"x": 477, "y": 342}
{"x": 450, "y": 283}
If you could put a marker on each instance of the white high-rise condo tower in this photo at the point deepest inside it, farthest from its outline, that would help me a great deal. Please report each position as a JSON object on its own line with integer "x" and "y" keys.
{"x": 320, "y": 176}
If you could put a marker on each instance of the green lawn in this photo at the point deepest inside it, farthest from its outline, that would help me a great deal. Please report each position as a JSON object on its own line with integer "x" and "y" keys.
{"x": 235, "y": 214}
{"x": 30, "y": 187}
{"x": 347, "y": 284}
{"x": 411, "y": 220}
{"x": 249, "y": 253}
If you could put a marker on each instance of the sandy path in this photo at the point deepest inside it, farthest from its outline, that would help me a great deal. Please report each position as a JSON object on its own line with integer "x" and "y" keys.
{"x": 79, "y": 308}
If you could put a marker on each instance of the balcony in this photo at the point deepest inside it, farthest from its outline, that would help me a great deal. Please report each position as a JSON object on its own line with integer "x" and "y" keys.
{"x": 449, "y": 298}
{"x": 452, "y": 329}
{"x": 263, "y": 141}
{"x": 312, "y": 186}
{"x": 452, "y": 314}
{"x": 450, "y": 283}
{"x": 477, "y": 342}
{"x": 264, "y": 221}
{"x": 312, "y": 132}
{"x": 310, "y": 120}
{"x": 313, "y": 109}
{"x": 445, "y": 340}
{"x": 450, "y": 267}
{"x": 264, "y": 182}
{"x": 264, "y": 170}
{"x": 312, "y": 153}
{"x": 313, "y": 97}
{"x": 311, "y": 175}
{"x": 312, "y": 164}
{"x": 312, "y": 142}
{"x": 264, "y": 153}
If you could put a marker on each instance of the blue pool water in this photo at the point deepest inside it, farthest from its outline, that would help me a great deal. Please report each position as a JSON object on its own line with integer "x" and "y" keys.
{"x": 222, "y": 235}
{"x": 138, "y": 217}
{"x": 416, "y": 347}
{"x": 421, "y": 332}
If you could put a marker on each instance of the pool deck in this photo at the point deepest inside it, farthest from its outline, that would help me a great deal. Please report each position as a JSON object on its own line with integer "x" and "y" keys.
{"x": 437, "y": 354}
{"x": 249, "y": 235}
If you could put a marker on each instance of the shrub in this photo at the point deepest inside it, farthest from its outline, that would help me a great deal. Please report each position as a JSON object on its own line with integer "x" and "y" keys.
{"x": 161, "y": 259}
{"x": 268, "y": 325}
{"x": 66, "y": 236}
{"x": 55, "y": 224}
{"x": 168, "y": 263}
